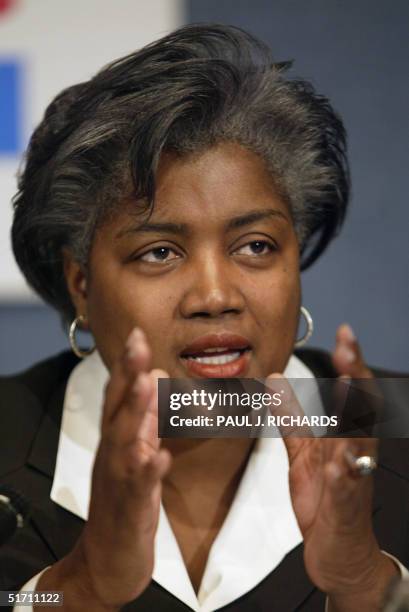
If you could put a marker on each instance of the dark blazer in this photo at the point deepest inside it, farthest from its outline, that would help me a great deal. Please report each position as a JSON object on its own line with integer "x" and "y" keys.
{"x": 30, "y": 416}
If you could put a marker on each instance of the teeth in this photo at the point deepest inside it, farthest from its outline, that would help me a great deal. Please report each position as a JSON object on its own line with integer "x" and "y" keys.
{"x": 217, "y": 360}
{"x": 216, "y": 350}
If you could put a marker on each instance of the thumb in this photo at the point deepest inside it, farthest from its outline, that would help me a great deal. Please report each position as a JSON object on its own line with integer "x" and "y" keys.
{"x": 293, "y": 433}
{"x": 347, "y": 355}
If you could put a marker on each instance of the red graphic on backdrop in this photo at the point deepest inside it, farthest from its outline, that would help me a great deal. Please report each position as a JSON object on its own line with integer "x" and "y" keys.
{"x": 5, "y": 5}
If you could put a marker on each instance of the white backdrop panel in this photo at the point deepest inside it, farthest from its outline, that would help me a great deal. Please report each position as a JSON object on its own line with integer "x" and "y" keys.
{"x": 58, "y": 43}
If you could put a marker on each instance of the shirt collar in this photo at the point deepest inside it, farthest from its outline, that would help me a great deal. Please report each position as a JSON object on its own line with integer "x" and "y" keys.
{"x": 259, "y": 530}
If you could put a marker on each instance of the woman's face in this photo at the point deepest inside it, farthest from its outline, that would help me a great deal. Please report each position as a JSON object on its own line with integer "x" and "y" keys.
{"x": 216, "y": 265}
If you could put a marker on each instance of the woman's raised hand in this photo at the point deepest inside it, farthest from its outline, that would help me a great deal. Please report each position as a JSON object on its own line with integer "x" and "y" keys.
{"x": 333, "y": 505}
{"x": 112, "y": 562}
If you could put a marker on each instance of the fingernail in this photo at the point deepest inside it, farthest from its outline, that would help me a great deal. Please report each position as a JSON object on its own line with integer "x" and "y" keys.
{"x": 346, "y": 354}
{"x": 349, "y": 333}
{"x": 135, "y": 335}
{"x": 132, "y": 344}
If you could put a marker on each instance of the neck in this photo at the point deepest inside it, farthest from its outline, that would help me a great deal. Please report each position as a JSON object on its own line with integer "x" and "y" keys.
{"x": 210, "y": 467}
{"x": 210, "y": 461}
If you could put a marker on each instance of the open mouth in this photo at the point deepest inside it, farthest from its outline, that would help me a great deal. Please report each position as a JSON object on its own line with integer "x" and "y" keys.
{"x": 221, "y": 354}
{"x": 216, "y": 356}
{"x": 217, "y": 362}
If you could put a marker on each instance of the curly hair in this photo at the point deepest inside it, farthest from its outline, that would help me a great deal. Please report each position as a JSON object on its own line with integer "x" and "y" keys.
{"x": 101, "y": 141}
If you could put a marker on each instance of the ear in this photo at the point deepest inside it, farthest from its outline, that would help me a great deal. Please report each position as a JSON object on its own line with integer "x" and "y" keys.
{"x": 76, "y": 280}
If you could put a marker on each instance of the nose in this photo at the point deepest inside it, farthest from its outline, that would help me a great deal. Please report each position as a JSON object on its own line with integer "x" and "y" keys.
{"x": 212, "y": 290}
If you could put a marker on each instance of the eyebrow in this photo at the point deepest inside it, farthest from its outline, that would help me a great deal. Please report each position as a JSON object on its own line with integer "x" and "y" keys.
{"x": 183, "y": 229}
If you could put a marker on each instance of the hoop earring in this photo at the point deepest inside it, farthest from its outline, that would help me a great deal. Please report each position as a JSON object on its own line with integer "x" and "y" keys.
{"x": 310, "y": 328}
{"x": 73, "y": 328}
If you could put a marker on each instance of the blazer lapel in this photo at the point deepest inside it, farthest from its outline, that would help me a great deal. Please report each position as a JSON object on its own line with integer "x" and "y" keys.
{"x": 58, "y": 527}
{"x": 288, "y": 586}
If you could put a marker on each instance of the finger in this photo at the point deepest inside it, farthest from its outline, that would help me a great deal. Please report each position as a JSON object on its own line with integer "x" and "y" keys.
{"x": 363, "y": 402}
{"x": 347, "y": 355}
{"x": 333, "y": 448}
{"x": 292, "y": 429}
{"x": 159, "y": 466}
{"x": 344, "y": 451}
{"x": 143, "y": 466}
{"x": 340, "y": 390}
{"x": 346, "y": 496}
{"x": 124, "y": 426}
{"x": 137, "y": 399}
{"x": 148, "y": 428}
{"x": 360, "y": 409}
{"x": 147, "y": 456}
{"x": 359, "y": 447}
{"x": 149, "y": 472}
{"x": 135, "y": 358}
{"x": 135, "y": 428}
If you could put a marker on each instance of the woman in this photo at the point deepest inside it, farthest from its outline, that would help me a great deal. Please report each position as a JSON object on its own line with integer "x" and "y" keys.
{"x": 167, "y": 206}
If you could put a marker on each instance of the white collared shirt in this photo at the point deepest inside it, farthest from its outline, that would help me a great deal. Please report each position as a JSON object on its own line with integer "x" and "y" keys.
{"x": 260, "y": 524}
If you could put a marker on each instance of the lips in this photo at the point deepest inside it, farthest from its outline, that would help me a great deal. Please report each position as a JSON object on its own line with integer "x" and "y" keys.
{"x": 223, "y": 340}
{"x": 222, "y": 355}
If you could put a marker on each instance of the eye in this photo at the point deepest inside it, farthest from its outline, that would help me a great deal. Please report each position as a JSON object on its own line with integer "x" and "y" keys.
{"x": 158, "y": 255}
{"x": 256, "y": 247}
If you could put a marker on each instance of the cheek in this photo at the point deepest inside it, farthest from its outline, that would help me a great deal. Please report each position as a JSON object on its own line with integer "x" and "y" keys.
{"x": 277, "y": 308}
{"x": 118, "y": 302}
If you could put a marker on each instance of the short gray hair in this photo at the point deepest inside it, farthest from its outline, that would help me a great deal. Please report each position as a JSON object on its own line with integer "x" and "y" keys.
{"x": 101, "y": 141}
